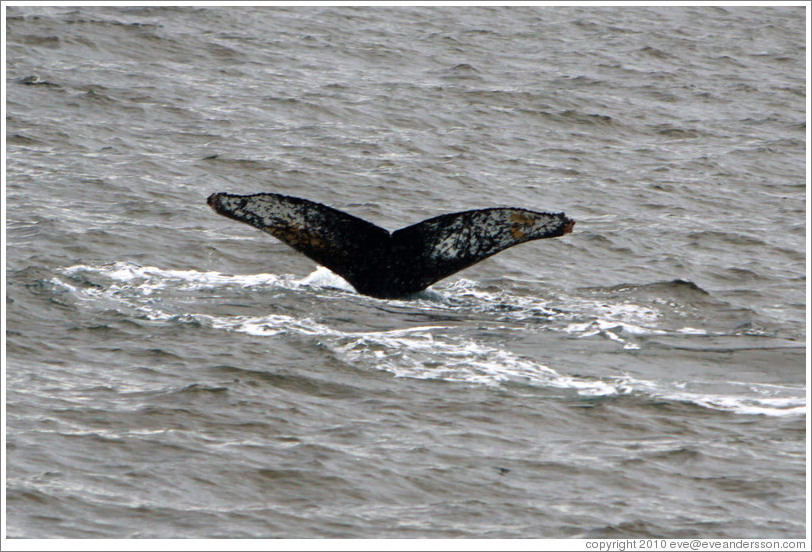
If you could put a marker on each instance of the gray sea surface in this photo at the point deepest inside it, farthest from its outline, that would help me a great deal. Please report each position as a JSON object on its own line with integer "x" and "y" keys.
{"x": 173, "y": 373}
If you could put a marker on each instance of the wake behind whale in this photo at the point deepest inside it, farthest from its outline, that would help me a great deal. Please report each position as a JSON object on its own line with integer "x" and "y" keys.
{"x": 383, "y": 264}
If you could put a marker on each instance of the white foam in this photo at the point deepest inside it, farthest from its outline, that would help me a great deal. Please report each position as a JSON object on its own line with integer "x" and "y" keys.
{"x": 611, "y": 327}
{"x": 272, "y": 324}
{"x": 424, "y": 354}
{"x": 150, "y": 278}
{"x": 692, "y": 331}
{"x": 324, "y": 277}
{"x": 129, "y": 272}
{"x": 622, "y": 322}
{"x": 787, "y": 406}
{"x": 433, "y": 352}
{"x": 466, "y": 295}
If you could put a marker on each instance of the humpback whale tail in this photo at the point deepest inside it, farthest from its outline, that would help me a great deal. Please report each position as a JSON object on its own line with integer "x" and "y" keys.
{"x": 386, "y": 265}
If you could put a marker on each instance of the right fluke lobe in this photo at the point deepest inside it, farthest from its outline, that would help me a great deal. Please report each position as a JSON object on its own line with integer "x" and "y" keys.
{"x": 386, "y": 265}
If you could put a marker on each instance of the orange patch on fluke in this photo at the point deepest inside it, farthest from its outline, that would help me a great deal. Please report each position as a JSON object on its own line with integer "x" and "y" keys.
{"x": 522, "y": 218}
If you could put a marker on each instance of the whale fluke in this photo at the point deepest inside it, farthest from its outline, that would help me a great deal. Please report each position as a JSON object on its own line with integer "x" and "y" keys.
{"x": 386, "y": 265}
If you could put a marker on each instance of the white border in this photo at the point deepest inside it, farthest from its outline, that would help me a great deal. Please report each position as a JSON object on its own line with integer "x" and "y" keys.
{"x": 397, "y": 544}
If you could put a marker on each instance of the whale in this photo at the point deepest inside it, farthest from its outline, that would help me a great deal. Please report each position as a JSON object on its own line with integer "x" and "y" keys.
{"x": 383, "y": 264}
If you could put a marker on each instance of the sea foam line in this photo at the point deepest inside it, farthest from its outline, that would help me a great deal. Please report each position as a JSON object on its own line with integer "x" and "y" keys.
{"x": 423, "y": 352}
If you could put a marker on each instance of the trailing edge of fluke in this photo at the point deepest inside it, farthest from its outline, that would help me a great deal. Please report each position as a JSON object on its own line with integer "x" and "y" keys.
{"x": 383, "y": 264}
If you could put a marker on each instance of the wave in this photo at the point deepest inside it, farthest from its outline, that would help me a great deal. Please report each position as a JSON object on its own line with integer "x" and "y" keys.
{"x": 428, "y": 351}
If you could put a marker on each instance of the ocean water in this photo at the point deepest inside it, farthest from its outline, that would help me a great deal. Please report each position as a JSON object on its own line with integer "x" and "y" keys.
{"x": 173, "y": 373}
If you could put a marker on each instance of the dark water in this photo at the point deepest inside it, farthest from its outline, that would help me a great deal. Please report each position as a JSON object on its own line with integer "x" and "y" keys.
{"x": 172, "y": 373}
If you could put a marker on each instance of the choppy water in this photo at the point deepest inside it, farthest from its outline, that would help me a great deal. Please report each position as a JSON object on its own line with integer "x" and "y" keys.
{"x": 172, "y": 373}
